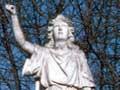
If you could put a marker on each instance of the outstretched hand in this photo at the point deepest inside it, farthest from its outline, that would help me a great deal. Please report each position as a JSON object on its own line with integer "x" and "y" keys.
{"x": 11, "y": 8}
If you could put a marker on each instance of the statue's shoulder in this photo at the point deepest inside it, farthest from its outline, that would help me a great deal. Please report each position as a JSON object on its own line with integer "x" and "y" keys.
{"x": 78, "y": 51}
{"x": 39, "y": 49}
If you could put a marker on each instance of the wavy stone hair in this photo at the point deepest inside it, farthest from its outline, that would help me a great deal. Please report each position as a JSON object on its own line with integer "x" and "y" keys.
{"x": 70, "y": 28}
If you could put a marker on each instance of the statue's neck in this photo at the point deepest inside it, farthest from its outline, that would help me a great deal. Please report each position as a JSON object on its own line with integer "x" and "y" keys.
{"x": 61, "y": 48}
{"x": 61, "y": 45}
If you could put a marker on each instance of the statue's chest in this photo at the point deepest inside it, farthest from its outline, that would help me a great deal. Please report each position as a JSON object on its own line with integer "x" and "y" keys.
{"x": 62, "y": 64}
{"x": 62, "y": 59}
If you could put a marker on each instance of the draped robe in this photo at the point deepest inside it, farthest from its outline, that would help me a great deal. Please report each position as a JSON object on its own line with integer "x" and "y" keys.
{"x": 65, "y": 70}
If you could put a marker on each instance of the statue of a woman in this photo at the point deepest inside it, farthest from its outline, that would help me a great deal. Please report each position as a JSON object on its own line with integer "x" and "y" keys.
{"x": 60, "y": 65}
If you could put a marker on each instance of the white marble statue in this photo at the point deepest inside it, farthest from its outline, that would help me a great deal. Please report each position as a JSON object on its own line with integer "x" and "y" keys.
{"x": 60, "y": 65}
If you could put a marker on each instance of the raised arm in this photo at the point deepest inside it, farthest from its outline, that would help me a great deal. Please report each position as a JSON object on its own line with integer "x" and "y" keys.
{"x": 19, "y": 36}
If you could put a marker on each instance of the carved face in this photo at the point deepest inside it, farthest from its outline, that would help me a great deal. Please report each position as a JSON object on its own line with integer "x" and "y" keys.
{"x": 61, "y": 31}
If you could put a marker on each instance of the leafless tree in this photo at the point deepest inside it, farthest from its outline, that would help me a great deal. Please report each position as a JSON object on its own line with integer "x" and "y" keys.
{"x": 97, "y": 32}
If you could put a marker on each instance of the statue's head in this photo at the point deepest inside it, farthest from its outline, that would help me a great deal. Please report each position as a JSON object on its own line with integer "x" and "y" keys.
{"x": 60, "y": 28}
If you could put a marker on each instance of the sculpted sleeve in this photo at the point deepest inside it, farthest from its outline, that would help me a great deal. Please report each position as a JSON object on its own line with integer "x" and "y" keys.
{"x": 33, "y": 65}
{"x": 86, "y": 75}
